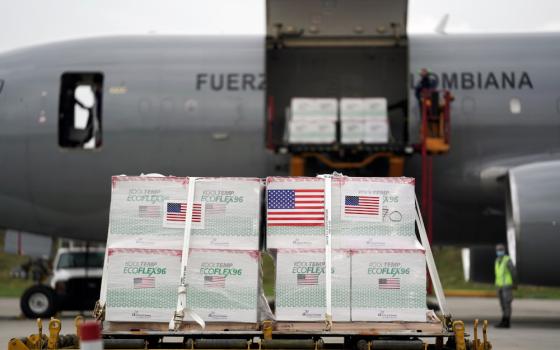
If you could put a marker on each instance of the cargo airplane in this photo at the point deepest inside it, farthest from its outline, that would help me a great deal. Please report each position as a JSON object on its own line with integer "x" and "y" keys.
{"x": 74, "y": 113}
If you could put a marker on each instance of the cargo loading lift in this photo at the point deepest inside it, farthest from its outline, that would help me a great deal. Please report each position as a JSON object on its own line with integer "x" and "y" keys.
{"x": 350, "y": 49}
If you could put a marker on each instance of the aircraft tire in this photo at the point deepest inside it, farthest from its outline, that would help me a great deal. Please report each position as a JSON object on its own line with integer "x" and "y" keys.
{"x": 38, "y": 301}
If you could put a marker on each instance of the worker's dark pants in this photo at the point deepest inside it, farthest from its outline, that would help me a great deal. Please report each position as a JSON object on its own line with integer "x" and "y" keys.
{"x": 506, "y": 297}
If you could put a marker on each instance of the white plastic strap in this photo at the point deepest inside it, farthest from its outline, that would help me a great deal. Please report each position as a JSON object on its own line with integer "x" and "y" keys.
{"x": 328, "y": 252}
{"x": 181, "y": 311}
{"x": 434, "y": 276}
{"x": 104, "y": 276}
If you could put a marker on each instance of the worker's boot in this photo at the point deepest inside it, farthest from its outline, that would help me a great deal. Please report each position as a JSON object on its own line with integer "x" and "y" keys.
{"x": 507, "y": 322}
{"x": 502, "y": 323}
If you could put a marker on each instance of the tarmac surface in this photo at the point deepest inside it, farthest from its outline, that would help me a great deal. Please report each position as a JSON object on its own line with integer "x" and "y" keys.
{"x": 535, "y": 324}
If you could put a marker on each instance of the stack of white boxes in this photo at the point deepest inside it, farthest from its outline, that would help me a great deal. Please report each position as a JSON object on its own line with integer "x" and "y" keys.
{"x": 373, "y": 237}
{"x": 144, "y": 249}
{"x": 312, "y": 120}
{"x": 295, "y": 235}
{"x": 363, "y": 120}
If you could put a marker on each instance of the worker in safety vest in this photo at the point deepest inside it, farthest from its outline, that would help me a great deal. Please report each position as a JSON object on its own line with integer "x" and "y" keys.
{"x": 506, "y": 282}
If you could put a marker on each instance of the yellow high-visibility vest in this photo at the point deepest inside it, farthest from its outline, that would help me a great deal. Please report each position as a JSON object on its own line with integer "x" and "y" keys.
{"x": 503, "y": 275}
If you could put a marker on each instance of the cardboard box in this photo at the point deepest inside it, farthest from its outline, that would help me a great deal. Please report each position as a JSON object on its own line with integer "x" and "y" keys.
{"x": 389, "y": 285}
{"x": 142, "y": 284}
{"x": 230, "y": 213}
{"x": 224, "y": 285}
{"x": 376, "y": 213}
{"x": 352, "y": 130}
{"x": 137, "y": 212}
{"x": 375, "y": 108}
{"x": 311, "y": 131}
{"x": 351, "y": 108}
{"x": 376, "y": 131}
{"x": 150, "y": 212}
{"x": 300, "y": 285}
{"x": 295, "y": 212}
{"x": 318, "y": 109}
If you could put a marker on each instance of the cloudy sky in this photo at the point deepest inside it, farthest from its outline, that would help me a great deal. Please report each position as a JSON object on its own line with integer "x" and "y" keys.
{"x": 29, "y": 22}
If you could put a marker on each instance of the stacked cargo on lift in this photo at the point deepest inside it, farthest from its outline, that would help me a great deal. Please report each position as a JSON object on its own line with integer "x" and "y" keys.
{"x": 373, "y": 233}
{"x": 363, "y": 120}
{"x": 312, "y": 120}
{"x": 144, "y": 248}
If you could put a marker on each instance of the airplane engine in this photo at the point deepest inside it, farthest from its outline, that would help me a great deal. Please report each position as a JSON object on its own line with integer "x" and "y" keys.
{"x": 533, "y": 228}
{"x": 533, "y": 221}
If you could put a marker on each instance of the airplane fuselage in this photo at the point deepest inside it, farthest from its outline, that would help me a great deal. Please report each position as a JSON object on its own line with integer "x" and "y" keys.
{"x": 195, "y": 106}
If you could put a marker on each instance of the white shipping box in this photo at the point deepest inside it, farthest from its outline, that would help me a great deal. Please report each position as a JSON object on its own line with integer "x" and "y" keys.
{"x": 376, "y": 131}
{"x": 300, "y": 285}
{"x": 150, "y": 212}
{"x": 137, "y": 212}
{"x": 375, "y": 108}
{"x": 351, "y": 108}
{"x": 389, "y": 285}
{"x": 311, "y": 131}
{"x": 223, "y": 285}
{"x": 352, "y": 130}
{"x": 320, "y": 109}
{"x": 142, "y": 284}
{"x": 370, "y": 212}
{"x": 295, "y": 212}
{"x": 229, "y": 213}
{"x": 366, "y": 130}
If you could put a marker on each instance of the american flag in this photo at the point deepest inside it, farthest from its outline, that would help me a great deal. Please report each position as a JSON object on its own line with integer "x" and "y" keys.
{"x": 307, "y": 279}
{"x": 389, "y": 283}
{"x": 144, "y": 282}
{"x": 215, "y": 208}
{"x": 177, "y": 212}
{"x": 149, "y": 211}
{"x": 362, "y": 205}
{"x": 214, "y": 281}
{"x": 301, "y": 207}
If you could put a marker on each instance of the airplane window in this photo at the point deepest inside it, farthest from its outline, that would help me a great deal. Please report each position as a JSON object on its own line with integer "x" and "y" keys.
{"x": 1, "y": 85}
{"x": 80, "y": 106}
{"x": 515, "y": 106}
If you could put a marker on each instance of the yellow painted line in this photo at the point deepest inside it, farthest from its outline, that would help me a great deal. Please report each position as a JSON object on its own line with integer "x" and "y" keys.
{"x": 470, "y": 293}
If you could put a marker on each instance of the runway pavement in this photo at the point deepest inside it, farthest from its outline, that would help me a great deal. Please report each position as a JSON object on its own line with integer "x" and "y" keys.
{"x": 536, "y": 323}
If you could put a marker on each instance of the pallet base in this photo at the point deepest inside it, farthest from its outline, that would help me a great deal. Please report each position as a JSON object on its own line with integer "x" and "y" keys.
{"x": 283, "y": 327}
{"x": 185, "y": 327}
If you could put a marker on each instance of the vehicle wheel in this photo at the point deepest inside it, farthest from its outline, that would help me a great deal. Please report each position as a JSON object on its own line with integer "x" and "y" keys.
{"x": 38, "y": 301}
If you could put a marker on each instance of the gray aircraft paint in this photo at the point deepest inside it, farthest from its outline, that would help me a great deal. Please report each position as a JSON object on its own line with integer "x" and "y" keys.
{"x": 485, "y": 134}
{"x": 154, "y": 120}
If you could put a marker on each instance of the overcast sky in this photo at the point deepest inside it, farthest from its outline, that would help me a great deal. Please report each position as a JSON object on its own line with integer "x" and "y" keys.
{"x": 29, "y": 22}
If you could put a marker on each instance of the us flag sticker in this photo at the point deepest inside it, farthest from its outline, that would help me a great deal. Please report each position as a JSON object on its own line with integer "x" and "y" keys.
{"x": 361, "y": 207}
{"x": 175, "y": 214}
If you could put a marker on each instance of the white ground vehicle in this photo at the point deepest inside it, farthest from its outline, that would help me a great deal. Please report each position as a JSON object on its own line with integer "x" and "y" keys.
{"x": 75, "y": 284}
